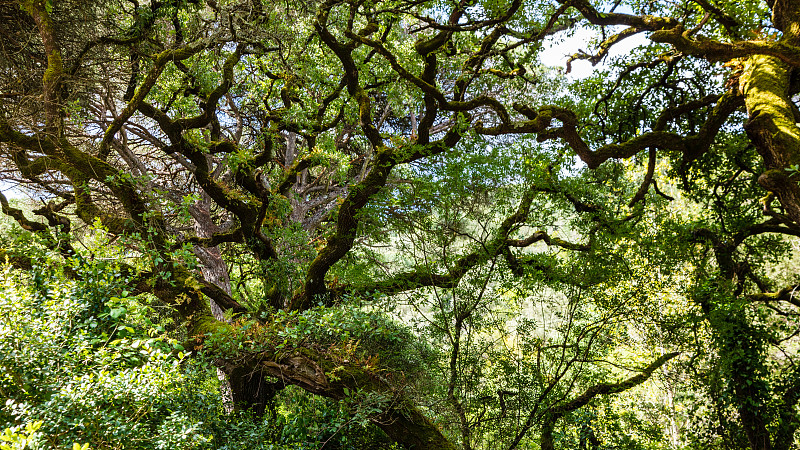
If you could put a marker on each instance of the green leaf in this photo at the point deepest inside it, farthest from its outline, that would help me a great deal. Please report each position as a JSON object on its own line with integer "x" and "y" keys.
{"x": 116, "y": 313}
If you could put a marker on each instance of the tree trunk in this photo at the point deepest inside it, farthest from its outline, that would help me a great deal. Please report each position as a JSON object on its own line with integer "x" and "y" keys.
{"x": 312, "y": 371}
{"x": 250, "y": 389}
{"x": 772, "y": 126}
{"x": 240, "y": 387}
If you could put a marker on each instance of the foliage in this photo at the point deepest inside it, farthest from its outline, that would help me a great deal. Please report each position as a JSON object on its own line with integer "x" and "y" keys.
{"x": 373, "y": 224}
{"x": 80, "y": 366}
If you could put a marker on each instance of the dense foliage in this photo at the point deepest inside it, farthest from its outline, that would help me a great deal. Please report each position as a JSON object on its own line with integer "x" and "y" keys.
{"x": 387, "y": 224}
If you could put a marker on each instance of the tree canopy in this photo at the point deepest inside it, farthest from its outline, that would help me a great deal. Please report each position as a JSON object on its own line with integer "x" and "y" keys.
{"x": 397, "y": 204}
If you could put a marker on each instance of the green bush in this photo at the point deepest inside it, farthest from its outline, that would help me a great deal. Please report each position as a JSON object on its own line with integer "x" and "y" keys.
{"x": 90, "y": 364}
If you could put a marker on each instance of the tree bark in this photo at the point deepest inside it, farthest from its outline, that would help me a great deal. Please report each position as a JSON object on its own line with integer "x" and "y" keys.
{"x": 772, "y": 125}
{"x": 312, "y": 371}
{"x": 236, "y": 388}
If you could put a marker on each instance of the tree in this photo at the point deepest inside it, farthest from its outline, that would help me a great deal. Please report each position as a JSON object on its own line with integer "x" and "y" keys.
{"x": 250, "y": 155}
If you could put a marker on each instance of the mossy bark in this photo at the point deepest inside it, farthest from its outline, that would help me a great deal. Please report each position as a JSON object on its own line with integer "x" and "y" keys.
{"x": 55, "y": 68}
{"x": 311, "y": 370}
{"x": 772, "y": 125}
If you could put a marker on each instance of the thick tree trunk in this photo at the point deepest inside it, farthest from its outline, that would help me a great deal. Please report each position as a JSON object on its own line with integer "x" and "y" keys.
{"x": 250, "y": 389}
{"x": 409, "y": 427}
{"x": 401, "y": 420}
{"x": 240, "y": 387}
{"x": 248, "y": 381}
{"x": 772, "y": 126}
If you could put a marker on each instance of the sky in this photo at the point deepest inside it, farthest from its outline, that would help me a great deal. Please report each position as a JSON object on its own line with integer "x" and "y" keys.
{"x": 559, "y": 50}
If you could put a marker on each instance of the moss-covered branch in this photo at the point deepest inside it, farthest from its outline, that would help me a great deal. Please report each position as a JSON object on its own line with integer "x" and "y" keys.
{"x": 351, "y": 73}
{"x": 213, "y": 98}
{"x": 425, "y": 276}
{"x": 216, "y": 239}
{"x": 789, "y": 294}
{"x": 547, "y": 239}
{"x": 301, "y": 164}
{"x": 150, "y": 80}
{"x": 540, "y": 122}
{"x": 19, "y": 216}
{"x": 605, "y": 47}
{"x": 645, "y": 22}
{"x": 336, "y": 378}
{"x": 712, "y": 50}
{"x": 346, "y": 225}
{"x": 244, "y": 206}
{"x": 53, "y": 75}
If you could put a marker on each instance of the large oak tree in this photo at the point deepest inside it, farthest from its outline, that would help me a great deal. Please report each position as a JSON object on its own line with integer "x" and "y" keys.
{"x": 251, "y": 154}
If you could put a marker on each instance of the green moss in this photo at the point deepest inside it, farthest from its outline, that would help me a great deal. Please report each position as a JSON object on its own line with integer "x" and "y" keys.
{"x": 55, "y": 68}
{"x": 765, "y": 84}
{"x": 207, "y": 325}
